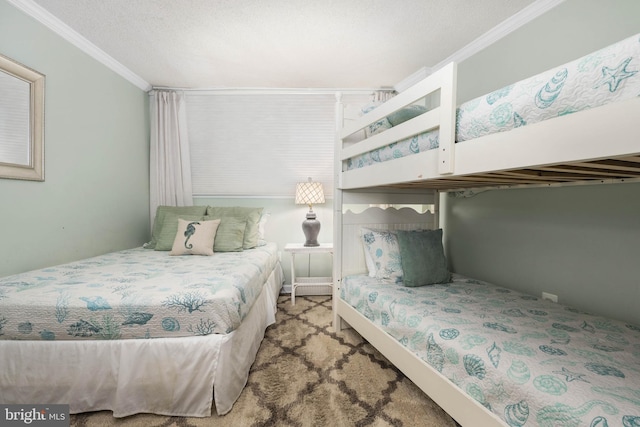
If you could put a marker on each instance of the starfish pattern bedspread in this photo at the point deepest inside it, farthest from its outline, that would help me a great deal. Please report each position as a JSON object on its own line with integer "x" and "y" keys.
{"x": 530, "y": 361}
{"x": 605, "y": 76}
{"x": 135, "y": 293}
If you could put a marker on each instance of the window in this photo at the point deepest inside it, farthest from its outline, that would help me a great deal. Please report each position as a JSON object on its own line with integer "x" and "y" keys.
{"x": 260, "y": 144}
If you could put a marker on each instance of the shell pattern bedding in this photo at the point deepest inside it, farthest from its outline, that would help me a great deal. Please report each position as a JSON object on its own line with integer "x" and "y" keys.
{"x": 608, "y": 75}
{"x": 531, "y": 362}
{"x": 135, "y": 293}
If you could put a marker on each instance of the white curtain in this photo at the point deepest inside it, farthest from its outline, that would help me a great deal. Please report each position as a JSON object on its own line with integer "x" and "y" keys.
{"x": 170, "y": 166}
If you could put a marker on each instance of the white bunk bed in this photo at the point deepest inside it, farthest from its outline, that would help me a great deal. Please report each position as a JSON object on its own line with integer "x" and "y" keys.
{"x": 596, "y": 145}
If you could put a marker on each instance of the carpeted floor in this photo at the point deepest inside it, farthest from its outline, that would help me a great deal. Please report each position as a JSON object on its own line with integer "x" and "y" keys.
{"x": 307, "y": 375}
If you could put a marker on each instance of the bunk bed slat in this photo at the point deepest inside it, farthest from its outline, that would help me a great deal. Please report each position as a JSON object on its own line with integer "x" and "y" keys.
{"x": 587, "y": 171}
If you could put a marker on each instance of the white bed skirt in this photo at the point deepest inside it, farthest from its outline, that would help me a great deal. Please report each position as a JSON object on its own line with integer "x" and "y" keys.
{"x": 238, "y": 350}
{"x": 166, "y": 376}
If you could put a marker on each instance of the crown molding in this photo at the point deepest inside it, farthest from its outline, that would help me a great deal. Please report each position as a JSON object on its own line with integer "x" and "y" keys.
{"x": 511, "y": 24}
{"x": 414, "y": 78}
{"x": 36, "y": 11}
{"x": 501, "y": 30}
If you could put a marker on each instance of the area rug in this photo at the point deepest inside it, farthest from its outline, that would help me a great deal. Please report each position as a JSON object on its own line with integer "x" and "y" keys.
{"x": 305, "y": 374}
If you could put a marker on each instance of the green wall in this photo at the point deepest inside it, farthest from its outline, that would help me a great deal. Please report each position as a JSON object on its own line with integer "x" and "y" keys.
{"x": 580, "y": 243}
{"x": 95, "y": 197}
{"x": 570, "y": 30}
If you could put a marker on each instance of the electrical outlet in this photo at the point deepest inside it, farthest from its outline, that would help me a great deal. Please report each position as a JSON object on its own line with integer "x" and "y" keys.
{"x": 550, "y": 297}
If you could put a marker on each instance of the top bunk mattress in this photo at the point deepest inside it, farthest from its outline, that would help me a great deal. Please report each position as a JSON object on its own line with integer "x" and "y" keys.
{"x": 135, "y": 293}
{"x": 605, "y": 76}
{"x": 529, "y": 361}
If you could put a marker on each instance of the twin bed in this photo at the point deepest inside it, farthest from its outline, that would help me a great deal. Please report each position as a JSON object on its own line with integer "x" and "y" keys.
{"x": 141, "y": 330}
{"x": 488, "y": 355}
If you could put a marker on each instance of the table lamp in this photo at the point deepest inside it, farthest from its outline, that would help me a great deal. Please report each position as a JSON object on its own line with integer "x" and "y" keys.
{"x": 310, "y": 193}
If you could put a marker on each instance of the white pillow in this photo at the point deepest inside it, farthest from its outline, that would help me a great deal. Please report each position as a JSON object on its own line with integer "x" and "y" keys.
{"x": 261, "y": 224}
{"x": 195, "y": 237}
{"x": 368, "y": 259}
{"x": 382, "y": 254}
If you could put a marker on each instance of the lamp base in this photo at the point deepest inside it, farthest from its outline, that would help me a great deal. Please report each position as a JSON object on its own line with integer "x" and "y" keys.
{"x": 311, "y": 228}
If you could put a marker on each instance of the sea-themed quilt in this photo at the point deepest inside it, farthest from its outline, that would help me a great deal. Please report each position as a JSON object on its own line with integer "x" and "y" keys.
{"x": 608, "y": 75}
{"x": 531, "y": 362}
{"x": 135, "y": 293}
{"x": 406, "y": 147}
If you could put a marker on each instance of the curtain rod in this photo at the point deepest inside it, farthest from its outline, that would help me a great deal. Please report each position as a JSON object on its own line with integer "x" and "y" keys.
{"x": 230, "y": 196}
{"x": 288, "y": 91}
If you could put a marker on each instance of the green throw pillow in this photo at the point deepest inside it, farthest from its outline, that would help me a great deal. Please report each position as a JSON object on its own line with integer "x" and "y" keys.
{"x": 230, "y": 234}
{"x": 406, "y": 113}
{"x": 422, "y": 257}
{"x": 161, "y": 211}
{"x": 250, "y": 215}
{"x": 167, "y": 234}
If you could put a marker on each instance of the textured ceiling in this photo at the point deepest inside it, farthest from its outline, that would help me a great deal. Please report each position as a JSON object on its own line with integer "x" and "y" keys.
{"x": 280, "y": 43}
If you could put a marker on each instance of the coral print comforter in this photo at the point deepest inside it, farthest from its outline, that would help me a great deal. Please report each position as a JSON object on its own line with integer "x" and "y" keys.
{"x": 531, "y": 362}
{"x": 135, "y": 293}
{"x": 608, "y": 75}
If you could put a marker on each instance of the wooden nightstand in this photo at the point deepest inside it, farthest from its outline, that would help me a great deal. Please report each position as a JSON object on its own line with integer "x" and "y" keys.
{"x": 298, "y": 248}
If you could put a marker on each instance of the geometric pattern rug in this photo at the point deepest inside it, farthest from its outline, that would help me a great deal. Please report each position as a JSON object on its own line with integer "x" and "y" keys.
{"x": 307, "y": 375}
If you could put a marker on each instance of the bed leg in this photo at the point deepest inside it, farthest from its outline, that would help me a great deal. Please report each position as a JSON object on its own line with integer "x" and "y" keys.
{"x": 337, "y": 321}
{"x": 339, "y": 324}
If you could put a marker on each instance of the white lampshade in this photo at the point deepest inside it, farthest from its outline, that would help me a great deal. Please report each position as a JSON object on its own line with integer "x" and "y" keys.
{"x": 309, "y": 193}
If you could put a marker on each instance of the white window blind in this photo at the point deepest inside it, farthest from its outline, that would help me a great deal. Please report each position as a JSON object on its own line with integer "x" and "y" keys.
{"x": 14, "y": 120}
{"x": 260, "y": 144}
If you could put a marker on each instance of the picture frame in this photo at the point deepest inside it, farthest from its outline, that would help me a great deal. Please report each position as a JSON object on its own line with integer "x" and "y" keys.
{"x": 21, "y": 121}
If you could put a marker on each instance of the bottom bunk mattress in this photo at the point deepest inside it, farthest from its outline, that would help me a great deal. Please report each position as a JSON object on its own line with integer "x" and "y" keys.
{"x": 135, "y": 293}
{"x": 530, "y": 361}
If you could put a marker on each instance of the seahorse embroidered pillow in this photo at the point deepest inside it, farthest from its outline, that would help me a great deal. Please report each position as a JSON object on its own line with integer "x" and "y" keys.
{"x": 195, "y": 237}
{"x": 167, "y": 234}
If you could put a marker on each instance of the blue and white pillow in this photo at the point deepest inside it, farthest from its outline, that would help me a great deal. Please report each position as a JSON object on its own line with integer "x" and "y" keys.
{"x": 378, "y": 126}
{"x": 382, "y": 254}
